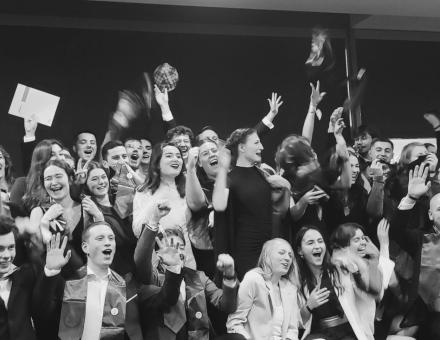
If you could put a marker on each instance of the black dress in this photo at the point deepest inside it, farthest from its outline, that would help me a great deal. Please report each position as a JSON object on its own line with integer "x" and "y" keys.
{"x": 247, "y": 221}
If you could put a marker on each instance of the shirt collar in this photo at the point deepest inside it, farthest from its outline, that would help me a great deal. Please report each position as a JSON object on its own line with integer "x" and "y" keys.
{"x": 13, "y": 269}
{"x": 90, "y": 272}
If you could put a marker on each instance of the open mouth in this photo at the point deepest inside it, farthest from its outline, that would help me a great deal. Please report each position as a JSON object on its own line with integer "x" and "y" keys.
{"x": 213, "y": 161}
{"x": 146, "y": 156}
{"x": 107, "y": 252}
{"x": 175, "y": 166}
{"x": 285, "y": 265}
{"x": 183, "y": 149}
{"x": 88, "y": 151}
{"x": 56, "y": 188}
{"x": 134, "y": 156}
{"x": 317, "y": 254}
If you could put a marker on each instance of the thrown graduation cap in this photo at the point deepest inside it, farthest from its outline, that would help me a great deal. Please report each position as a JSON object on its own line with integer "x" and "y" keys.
{"x": 166, "y": 77}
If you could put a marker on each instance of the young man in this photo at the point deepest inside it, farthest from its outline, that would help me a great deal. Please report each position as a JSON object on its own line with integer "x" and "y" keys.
{"x": 147, "y": 149}
{"x": 134, "y": 152}
{"x": 85, "y": 146}
{"x": 113, "y": 153}
{"x": 98, "y": 304}
{"x": 16, "y": 288}
{"x": 183, "y": 138}
{"x": 188, "y": 319}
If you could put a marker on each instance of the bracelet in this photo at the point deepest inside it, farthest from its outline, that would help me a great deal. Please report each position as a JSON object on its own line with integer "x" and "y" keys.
{"x": 308, "y": 308}
{"x": 151, "y": 227}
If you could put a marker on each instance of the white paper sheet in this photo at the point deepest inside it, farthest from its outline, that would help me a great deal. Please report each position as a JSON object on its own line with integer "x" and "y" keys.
{"x": 28, "y": 101}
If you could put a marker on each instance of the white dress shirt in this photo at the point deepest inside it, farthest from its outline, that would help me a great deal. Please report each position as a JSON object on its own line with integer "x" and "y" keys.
{"x": 96, "y": 291}
{"x": 5, "y": 290}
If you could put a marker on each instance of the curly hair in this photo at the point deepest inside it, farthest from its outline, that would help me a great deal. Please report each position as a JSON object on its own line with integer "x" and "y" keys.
{"x": 236, "y": 138}
{"x": 153, "y": 180}
{"x": 9, "y": 168}
{"x": 179, "y": 130}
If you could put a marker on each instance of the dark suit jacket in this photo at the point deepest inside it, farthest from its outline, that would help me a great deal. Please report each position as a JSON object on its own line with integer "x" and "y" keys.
{"x": 16, "y": 319}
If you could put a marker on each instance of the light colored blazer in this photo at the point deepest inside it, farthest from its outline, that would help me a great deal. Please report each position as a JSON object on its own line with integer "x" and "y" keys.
{"x": 253, "y": 317}
{"x": 359, "y": 307}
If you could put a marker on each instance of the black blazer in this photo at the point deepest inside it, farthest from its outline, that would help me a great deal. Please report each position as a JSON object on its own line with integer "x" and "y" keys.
{"x": 15, "y": 320}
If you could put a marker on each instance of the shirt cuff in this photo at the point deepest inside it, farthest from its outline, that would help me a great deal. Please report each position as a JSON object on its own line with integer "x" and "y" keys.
{"x": 51, "y": 272}
{"x": 174, "y": 269}
{"x": 406, "y": 203}
{"x": 268, "y": 123}
{"x": 28, "y": 139}
{"x": 167, "y": 115}
{"x": 230, "y": 283}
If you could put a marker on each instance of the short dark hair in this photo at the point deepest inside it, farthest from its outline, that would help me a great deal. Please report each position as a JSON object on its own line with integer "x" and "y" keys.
{"x": 343, "y": 234}
{"x": 108, "y": 146}
{"x": 7, "y": 225}
{"x": 132, "y": 138}
{"x": 180, "y": 130}
{"x": 364, "y": 129}
{"x": 383, "y": 140}
{"x": 85, "y": 232}
{"x": 78, "y": 132}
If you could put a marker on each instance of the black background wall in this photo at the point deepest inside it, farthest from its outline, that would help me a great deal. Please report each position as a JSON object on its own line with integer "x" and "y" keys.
{"x": 225, "y": 80}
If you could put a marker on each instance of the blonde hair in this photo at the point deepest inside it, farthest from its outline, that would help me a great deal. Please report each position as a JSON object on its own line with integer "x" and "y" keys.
{"x": 405, "y": 156}
{"x": 264, "y": 262}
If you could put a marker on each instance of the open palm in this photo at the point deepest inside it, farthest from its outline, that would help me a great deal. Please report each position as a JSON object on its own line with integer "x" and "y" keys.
{"x": 55, "y": 258}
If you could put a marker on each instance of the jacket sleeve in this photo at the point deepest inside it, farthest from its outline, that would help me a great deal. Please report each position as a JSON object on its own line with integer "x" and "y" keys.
{"x": 27, "y": 148}
{"x": 152, "y": 299}
{"x": 292, "y": 330}
{"x": 143, "y": 254}
{"x": 224, "y": 299}
{"x": 406, "y": 236}
{"x": 246, "y": 296}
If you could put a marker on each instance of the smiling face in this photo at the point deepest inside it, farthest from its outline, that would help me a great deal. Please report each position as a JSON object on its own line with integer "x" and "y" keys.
{"x": 251, "y": 149}
{"x": 85, "y": 146}
{"x": 115, "y": 156}
{"x": 358, "y": 243}
{"x": 313, "y": 248}
{"x": 363, "y": 143}
{"x": 97, "y": 182}
{"x": 382, "y": 150}
{"x": 183, "y": 142}
{"x": 208, "y": 158}
{"x": 7, "y": 253}
{"x": 280, "y": 258}
{"x": 100, "y": 245}
{"x": 56, "y": 182}
{"x": 355, "y": 170}
{"x": 146, "y": 151}
{"x": 134, "y": 152}
{"x": 171, "y": 161}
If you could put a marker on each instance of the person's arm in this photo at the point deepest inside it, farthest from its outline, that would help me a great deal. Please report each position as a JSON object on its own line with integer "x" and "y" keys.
{"x": 195, "y": 197}
{"x": 247, "y": 293}
{"x": 29, "y": 142}
{"x": 344, "y": 180}
{"x": 266, "y": 124}
{"x": 163, "y": 102}
{"x": 309, "y": 122}
{"x": 220, "y": 194}
{"x": 376, "y": 197}
{"x": 224, "y": 299}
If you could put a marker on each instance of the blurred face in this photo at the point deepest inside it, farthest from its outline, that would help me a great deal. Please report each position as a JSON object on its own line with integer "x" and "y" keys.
{"x": 85, "y": 146}
{"x": 183, "y": 142}
{"x": 208, "y": 135}
{"x": 56, "y": 182}
{"x": 418, "y": 151}
{"x": 134, "y": 153}
{"x": 171, "y": 161}
{"x": 100, "y": 246}
{"x": 116, "y": 156}
{"x": 382, "y": 151}
{"x": 434, "y": 210}
{"x": 363, "y": 143}
{"x": 358, "y": 243}
{"x": 281, "y": 258}
{"x": 7, "y": 253}
{"x": 313, "y": 248}
{"x": 97, "y": 182}
{"x": 354, "y": 163}
{"x": 57, "y": 153}
{"x": 146, "y": 151}
{"x": 251, "y": 150}
{"x": 208, "y": 158}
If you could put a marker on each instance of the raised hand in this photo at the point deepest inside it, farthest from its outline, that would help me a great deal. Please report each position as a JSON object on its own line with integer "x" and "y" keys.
{"x": 382, "y": 233}
{"x": 30, "y": 126}
{"x": 316, "y": 96}
{"x": 371, "y": 250}
{"x": 225, "y": 264}
{"x": 417, "y": 186}
{"x": 53, "y": 212}
{"x": 55, "y": 259}
{"x": 312, "y": 196}
{"x": 161, "y": 97}
{"x": 224, "y": 158}
{"x": 92, "y": 209}
{"x": 274, "y": 103}
{"x": 168, "y": 252}
{"x": 160, "y": 209}
{"x": 193, "y": 156}
{"x": 339, "y": 126}
{"x": 432, "y": 160}
{"x": 81, "y": 171}
{"x": 376, "y": 168}
{"x": 317, "y": 297}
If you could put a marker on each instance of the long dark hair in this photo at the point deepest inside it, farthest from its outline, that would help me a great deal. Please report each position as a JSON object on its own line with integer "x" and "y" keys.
{"x": 305, "y": 276}
{"x": 92, "y": 166}
{"x": 60, "y": 164}
{"x": 153, "y": 180}
{"x": 9, "y": 168}
{"x": 35, "y": 193}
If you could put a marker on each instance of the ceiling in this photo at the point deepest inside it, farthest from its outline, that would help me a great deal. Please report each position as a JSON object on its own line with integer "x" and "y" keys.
{"x": 398, "y": 15}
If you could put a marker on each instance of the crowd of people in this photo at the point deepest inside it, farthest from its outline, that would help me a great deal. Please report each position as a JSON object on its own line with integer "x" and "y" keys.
{"x": 197, "y": 238}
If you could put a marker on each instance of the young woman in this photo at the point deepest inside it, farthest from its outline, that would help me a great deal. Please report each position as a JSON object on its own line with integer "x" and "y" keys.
{"x": 202, "y": 169}
{"x": 166, "y": 181}
{"x": 244, "y": 204}
{"x": 97, "y": 187}
{"x": 62, "y": 213}
{"x": 6, "y": 179}
{"x": 267, "y": 306}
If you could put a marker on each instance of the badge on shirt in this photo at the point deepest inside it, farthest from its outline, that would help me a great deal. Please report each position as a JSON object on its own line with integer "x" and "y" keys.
{"x": 114, "y": 311}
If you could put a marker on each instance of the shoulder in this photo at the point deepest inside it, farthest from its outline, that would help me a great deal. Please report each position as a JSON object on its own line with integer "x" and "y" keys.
{"x": 254, "y": 275}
